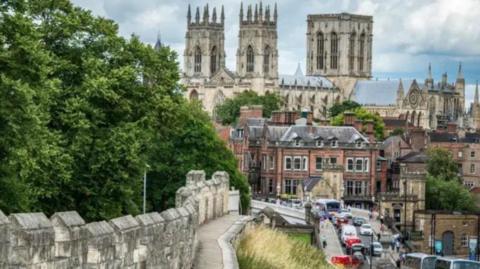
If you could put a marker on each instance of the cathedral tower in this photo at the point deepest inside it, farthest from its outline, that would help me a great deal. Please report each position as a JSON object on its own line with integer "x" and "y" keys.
{"x": 339, "y": 45}
{"x": 257, "y": 54}
{"x": 204, "y": 51}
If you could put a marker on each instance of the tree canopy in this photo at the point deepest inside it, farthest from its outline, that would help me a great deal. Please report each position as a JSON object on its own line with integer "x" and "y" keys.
{"x": 444, "y": 190}
{"x": 339, "y": 108}
{"x": 363, "y": 115}
{"x": 84, "y": 110}
{"x": 229, "y": 111}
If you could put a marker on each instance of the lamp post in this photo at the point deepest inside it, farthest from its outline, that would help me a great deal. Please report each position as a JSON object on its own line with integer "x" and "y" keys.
{"x": 371, "y": 250}
{"x": 405, "y": 212}
{"x": 145, "y": 188}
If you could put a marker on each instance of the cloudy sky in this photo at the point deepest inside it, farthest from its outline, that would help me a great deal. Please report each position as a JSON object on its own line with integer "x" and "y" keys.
{"x": 408, "y": 34}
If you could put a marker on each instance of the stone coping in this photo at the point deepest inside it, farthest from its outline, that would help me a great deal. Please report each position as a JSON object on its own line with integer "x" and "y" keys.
{"x": 227, "y": 239}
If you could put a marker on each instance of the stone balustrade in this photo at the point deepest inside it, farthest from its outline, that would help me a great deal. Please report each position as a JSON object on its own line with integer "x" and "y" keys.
{"x": 154, "y": 240}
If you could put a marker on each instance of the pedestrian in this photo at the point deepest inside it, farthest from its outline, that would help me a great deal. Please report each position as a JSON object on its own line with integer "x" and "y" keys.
{"x": 381, "y": 219}
{"x": 397, "y": 245}
{"x": 379, "y": 236}
{"x": 398, "y": 263}
{"x": 392, "y": 244}
{"x": 324, "y": 241}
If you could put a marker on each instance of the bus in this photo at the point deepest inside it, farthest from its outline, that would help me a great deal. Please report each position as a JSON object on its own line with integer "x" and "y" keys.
{"x": 328, "y": 205}
{"x": 454, "y": 263}
{"x": 419, "y": 261}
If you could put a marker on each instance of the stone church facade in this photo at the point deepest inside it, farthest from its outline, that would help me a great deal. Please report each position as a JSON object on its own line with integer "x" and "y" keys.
{"x": 338, "y": 67}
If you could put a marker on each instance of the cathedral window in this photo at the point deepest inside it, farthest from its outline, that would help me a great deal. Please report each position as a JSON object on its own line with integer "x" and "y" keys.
{"x": 213, "y": 61}
{"x": 334, "y": 51}
{"x": 250, "y": 59}
{"x": 198, "y": 60}
{"x": 361, "y": 52}
{"x": 351, "y": 52}
{"x": 266, "y": 60}
{"x": 320, "y": 50}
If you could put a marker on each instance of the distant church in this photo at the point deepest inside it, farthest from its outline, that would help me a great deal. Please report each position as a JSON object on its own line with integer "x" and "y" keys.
{"x": 338, "y": 67}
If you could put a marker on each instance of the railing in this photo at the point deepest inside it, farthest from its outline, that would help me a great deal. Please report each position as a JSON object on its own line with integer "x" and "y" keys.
{"x": 396, "y": 196}
{"x": 293, "y": 213}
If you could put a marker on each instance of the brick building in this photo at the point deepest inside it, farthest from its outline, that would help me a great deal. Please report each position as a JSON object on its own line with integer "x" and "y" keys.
{"x": 278, "y": 155}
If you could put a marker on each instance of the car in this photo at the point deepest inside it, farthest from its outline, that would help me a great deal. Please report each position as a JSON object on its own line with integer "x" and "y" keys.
{"x": 366, "y": 229}
{"x": 347, "y": 231}
{"x": 296, "y": 203}
{"x": 356, "y": 247}
{"x": 344, "y": 261}
{"x": 346, "y": 215}
{"x": 377, "y": 249}
{"x": 351, "y": 241}
{"x": 340, "y": 222}
{"x": 358, "y": 221}
{"x": 358, "y": 258}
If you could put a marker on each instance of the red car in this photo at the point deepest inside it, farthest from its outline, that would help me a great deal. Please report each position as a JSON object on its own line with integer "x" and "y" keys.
{"x": 345, "y": 261}
{"x": 352, "y": 240}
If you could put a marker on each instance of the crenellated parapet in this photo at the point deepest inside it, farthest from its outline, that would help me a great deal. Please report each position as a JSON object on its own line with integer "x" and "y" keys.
{"x": 165, "y": 239}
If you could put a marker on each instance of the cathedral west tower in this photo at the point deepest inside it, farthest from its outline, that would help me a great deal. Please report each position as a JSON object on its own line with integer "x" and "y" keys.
{"x": 204, "y": 51}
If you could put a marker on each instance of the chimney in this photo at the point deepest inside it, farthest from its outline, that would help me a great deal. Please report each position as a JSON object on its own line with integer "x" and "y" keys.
{"x": 284, "y": 117}
{"x": 308, "y": 116}
{"x": 417, "y": 139}
{"x": 452, "y": 128}
{"x": 358, "y": 124}
{"x": 349, "y": 118}
{"x": 369, "y": 130}
{"x": 248, "y": 112}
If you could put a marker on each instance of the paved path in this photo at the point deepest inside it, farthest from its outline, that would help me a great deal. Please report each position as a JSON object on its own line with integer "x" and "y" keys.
{"x": 333, "y": 243}
{"x": 209, "y": 255}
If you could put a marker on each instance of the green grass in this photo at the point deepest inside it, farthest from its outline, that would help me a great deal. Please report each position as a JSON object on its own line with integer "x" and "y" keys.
{"x": 301, "y": 237}
{"x": 264, "y": 248}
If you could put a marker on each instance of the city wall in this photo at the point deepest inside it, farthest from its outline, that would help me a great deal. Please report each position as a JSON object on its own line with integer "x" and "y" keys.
{"x": 154, "y": 240}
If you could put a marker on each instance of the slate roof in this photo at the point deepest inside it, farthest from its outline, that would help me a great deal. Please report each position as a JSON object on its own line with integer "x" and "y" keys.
{"x": 472, "y": 138}
{"x": 443, "y": 137}
{"x": 299, "y": 79}
{"x": 310, "y": 183}
{"x": 378, "y": 92}
{"x": 414, "y": 157}
{"x": 344, "y": 134}
{"x": 395, "y": 122}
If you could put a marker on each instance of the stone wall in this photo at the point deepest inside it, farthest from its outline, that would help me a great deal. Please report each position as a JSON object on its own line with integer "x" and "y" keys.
{"x": 154, "y": 240}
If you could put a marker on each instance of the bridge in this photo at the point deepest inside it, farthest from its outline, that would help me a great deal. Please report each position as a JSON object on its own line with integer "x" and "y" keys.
{"x": 292, "y": 215}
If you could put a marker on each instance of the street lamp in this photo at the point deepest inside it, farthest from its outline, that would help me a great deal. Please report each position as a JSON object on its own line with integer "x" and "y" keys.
{"x": 145, "y": 187}
{"x": 405, "y": 212}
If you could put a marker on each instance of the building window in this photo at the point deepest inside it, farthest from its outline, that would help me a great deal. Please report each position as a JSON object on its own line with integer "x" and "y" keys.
{"x": 358, "y": 187}
{"x": 472, "y": 168}
{"x": 334, "y": 51}
{"x": 271, "y": 162}
{"x": 358, "y": 165}
{"x": 361, "y": 52}
{"x": 468, "y": 184}
{"x": 319, "y": 163}
{"x": 366, "y": 165}
{"x": 250, "y": 59}
{"x": 472, "y": 154}
{"x": 333, "y": 160}
{"x": 334, "y": 143}
{"x": 266, "y": 60}
{"x": 320, "y": 50}
{"x": 297, "y": 143}
{"x": 464, "y": 240}
{"x": 359, "y": 144}
{"x": 350, "y": 164}
{"x": 379, "y": 165}
{"x": 198, "y": 60}
{"x": 304, "y": 163}
{"x": 270, "y": 185}
{"x": 297, "y": 163}
{"x": 264, "y": 162}
{"x": 349, "y": 187}
{"x": 213, "y": 61}
{"x": 288, "y": 163}
{"x": 351, "y": 52}
{"x": 291, "y": 186}
{"x": 460, "y": 154}
{"x": 319, "y": 143}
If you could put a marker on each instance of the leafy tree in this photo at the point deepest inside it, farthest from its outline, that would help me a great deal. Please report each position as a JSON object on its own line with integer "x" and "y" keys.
{"x": 363, "y": 115}
{"x": 441, "y": 164}
{"x": 397, "y": 131}
{"x": 229, "y": 111}
{"x": 448, "y": 195}
{"x": 339, "y": 108}
{"x": 83, "y": 110}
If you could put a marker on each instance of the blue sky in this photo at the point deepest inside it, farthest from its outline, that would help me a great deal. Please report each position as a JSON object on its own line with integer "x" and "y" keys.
{"x": 408, "y": 34}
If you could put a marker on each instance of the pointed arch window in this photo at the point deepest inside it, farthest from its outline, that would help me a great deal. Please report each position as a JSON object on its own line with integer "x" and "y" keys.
{"x": 198, "y": 60}
{"x": 320, "y": 50}
{"x": 266, "y": 60}
{"x": 334, "y": 51}
{"x": 213, "y": 60}
{"x": 351, "y": 52}
{"x": 361, "y": 52}
{"x": 250, "y": 59}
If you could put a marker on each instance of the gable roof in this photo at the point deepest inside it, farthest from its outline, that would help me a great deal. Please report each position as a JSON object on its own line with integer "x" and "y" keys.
{"x": 310, "y": 183}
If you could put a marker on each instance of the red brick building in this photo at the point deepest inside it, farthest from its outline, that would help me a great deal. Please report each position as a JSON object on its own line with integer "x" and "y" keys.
{"x": 278, "y": 154}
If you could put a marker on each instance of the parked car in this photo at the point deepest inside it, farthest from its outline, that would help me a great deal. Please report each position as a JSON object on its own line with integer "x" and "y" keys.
{"x": 358, "y": 258}
{"x": 350, "y": 241}
{"x": 347, "y": 231}
{"x": 344, "y": 261}
{"x": 296, "y": 203}
{"x": 377, "y": 249}
{"x": 356, "y": 247}
{"x": 358, "y": 221}
{"x": 340, "y": 222}
{"x": 346, "y": 215}
{"x": 366, "y": 229}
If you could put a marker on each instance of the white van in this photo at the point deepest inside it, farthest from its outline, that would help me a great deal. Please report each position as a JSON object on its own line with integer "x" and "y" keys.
{"x": 347, "y": 230}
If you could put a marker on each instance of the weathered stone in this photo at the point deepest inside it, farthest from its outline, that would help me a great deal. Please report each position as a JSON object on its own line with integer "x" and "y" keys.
{"x": 68, "y": 239}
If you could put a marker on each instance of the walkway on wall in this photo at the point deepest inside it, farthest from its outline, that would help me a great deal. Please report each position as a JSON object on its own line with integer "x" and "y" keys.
{"x": 209, "y": 255}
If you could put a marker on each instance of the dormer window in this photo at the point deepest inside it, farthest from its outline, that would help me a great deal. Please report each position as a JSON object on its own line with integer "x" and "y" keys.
{"x": 297, "y": 143}
{"x": 334, "y": 143}
{"x": 319, "y": 143}
{"x": 240, "y": 133}
{"x": 359, "y": 144}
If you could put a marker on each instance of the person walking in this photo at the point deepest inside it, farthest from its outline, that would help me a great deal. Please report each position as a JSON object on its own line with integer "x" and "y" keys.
{"x": 397, "y": 245}
{"x": 324, "y": 241}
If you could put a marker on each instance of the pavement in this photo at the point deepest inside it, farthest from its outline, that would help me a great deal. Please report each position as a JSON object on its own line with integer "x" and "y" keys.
{"x": 209, "y": 255}
{"x": 333, "y": 248}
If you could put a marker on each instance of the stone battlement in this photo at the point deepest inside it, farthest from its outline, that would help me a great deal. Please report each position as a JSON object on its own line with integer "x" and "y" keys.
{"x": 154, "y": 240}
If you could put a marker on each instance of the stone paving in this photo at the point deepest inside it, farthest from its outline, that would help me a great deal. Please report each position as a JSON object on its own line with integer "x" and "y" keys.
{"x": 334, "y": 247}
{"x": 209, "y": 255}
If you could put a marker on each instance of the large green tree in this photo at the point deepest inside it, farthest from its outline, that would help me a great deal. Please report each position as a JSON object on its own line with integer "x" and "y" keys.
{"x": 84, "y": 110}
{"x": 229, "y": 111}
{"x": 444, "y": 190}
{"x": 339, "y": 108}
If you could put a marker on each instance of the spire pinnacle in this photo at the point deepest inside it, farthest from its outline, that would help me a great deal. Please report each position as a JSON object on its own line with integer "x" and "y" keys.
{"x": 260, "y": 11}
{"x": 275, "y": 14}
{"x": 214, "y": 15}
{"x": 400, "y": 88}
{"x": 206, "y": 15}
{"x": 430, "y": 71}
{"x": 267, "y": 13}
{"x": 197, "y": 15}
{"x": 222, "y": 16}
{"x": 476, "y": 99}
{"x": 189, "y": 14}
{"x": 158, "y": 44}
{"x": 241, "y": 12}
{"x": 255, "y": 16}
{"x": 249, "y": 13}
{"x": 460, "y": 72}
